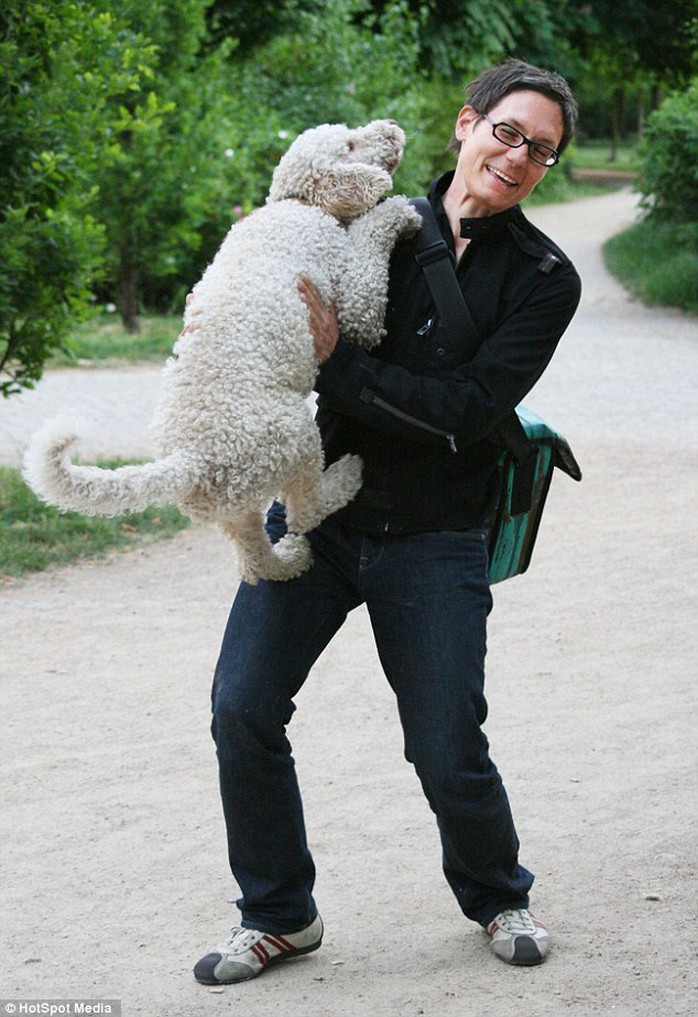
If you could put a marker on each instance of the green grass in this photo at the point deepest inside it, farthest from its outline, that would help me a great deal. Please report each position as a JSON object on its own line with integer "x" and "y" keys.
{"x": 597, "y": 155}
{"x": 103, "y": 339}
{"x": 658, "y": 262}
{"x": 34, "y": 535}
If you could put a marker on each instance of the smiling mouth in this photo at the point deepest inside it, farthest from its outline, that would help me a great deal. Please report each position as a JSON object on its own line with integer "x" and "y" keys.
{"x": 509, "y": 181}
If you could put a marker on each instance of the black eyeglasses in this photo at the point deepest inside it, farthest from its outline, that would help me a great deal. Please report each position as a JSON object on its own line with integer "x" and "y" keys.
{"x": 543, "y": 155}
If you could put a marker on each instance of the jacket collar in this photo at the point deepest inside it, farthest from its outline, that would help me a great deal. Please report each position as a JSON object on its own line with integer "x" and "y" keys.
{"x": 483, "y": 226}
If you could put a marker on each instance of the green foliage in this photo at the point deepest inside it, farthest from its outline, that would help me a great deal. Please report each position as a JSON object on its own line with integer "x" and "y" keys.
{"x": 629, "y": 51}
{"x": 251, "y": 23}
{"x": 644, "y": 36}
{"x": 166, "y": 169}
{"x": 34, "y": 535}
{"x": 56, "y": 74}
{"x": 337, "y": 64}
{"x": 463, "y": 36}
{"x": 460, "y": 38}
{"x": 658, "y": 262}
{"x": 669, "y": 177}
{"x": 658, "y": 257}
{"x": 132, "y": 134}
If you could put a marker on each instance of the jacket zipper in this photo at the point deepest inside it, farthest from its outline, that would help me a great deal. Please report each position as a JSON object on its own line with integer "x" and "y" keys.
{"x": 367, "y": 396}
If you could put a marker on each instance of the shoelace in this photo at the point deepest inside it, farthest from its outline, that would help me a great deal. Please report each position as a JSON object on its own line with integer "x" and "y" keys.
{"x": 516, "y": 922}
{"x": 239, "y": 940}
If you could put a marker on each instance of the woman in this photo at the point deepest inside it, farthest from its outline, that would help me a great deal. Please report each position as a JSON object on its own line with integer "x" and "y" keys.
{"x": 412, "y": 546}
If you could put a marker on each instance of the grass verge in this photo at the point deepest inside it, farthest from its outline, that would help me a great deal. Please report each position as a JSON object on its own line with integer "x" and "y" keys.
{"x": 34, "y": 535}
{"x": 103, "y": 339}
{"x": 657, "y": 262}
{"x": 599, "y": 155}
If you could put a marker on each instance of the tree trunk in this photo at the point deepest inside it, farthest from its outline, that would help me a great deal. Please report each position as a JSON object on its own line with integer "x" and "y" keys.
{"x": 129, "y": 279}
{"x": 616, "y": 121}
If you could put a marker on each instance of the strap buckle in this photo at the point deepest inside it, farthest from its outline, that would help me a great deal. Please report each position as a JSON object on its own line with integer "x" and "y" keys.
{"x": 434, "y": 252}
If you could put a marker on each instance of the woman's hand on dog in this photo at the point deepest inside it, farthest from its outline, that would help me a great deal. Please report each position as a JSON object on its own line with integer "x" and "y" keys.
{"x": 322, "y": 319}
{"x": 191, "y": 326}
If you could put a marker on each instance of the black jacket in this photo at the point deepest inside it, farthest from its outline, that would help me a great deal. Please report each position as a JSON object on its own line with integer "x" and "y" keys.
{"x": 420, "y": 418}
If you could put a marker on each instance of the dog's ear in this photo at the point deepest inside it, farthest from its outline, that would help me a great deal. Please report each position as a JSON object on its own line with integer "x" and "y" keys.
{"x": 350, "y": 189}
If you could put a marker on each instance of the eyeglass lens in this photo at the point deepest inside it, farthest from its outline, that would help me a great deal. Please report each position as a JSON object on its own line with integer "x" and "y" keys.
{"x": 514, "y": 138}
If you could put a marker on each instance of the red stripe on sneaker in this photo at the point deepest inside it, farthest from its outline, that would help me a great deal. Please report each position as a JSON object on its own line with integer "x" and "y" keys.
{"x": 281, "y": 944}
{"x": 260, "y": 953}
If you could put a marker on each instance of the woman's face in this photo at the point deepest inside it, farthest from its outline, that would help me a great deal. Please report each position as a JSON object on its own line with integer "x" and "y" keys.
{"x": 491, "y": 176}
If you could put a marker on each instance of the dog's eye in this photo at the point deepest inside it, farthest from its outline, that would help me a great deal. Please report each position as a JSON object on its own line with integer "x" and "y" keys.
{"x": 351, "y": 146}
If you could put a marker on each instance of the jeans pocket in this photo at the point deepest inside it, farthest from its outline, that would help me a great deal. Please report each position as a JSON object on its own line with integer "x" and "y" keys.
{"x": 478, "y": 534}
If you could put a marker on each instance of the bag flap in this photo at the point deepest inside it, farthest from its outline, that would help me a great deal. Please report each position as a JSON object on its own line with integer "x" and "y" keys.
{"x": 537, "y": 430}
{"x": 565, "y": 460}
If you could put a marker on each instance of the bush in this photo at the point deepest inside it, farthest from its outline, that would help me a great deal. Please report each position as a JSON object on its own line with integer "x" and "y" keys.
{"x": 58, "y": 70}
{"x": 658, "y": 262}
{"x": 669, "y": 158}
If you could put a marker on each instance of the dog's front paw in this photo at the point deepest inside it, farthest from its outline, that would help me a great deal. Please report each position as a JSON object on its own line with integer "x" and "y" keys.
{"x": 402, "y": 218}
{"x": 411, "y": 220}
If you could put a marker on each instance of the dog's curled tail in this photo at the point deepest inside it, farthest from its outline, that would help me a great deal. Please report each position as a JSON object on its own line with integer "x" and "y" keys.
{"x": 93, "y": 491}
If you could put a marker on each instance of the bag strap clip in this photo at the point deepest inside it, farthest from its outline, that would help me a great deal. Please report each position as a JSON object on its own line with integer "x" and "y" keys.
{"x": 433, "y": 252}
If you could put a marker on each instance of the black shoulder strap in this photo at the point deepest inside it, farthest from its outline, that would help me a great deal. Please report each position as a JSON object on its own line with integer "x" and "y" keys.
{"x": 434, "y": 258}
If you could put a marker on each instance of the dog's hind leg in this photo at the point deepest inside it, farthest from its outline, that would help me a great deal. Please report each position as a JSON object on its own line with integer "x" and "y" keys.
{"x": 310, "y": 498}
{"x": 258, "y": 557}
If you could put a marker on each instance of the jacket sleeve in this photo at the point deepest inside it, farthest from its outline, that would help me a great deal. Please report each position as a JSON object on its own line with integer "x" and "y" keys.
{"x": 470, "y": 401}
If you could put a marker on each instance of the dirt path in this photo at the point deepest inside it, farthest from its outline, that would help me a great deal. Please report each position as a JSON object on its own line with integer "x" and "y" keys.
{"x": 115, "y": 876}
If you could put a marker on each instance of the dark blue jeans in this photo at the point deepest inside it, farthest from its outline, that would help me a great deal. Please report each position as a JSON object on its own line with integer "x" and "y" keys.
{"x": 428, "y": 598}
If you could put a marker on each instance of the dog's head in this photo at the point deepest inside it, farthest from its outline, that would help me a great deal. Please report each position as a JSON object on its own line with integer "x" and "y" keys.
{"x": 342, "y": 170}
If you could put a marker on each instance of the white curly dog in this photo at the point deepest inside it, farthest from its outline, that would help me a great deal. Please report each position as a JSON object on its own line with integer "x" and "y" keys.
{"x": 233, "y": 429}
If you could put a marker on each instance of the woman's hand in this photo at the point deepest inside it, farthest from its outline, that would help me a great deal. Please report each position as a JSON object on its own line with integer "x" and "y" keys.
{"x": 322, "y": 319}
{"x": 191, "y": 326}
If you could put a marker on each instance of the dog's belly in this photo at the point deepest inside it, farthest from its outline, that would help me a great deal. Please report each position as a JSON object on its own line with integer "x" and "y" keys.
{"x": 245, "y": 447}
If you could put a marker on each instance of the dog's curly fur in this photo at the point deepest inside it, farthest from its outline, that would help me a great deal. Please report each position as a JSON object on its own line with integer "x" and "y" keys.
{"x": 233, "y": 429}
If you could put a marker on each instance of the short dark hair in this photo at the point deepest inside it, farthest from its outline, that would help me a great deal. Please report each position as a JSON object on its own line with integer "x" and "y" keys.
{"x": 490, "y": 87}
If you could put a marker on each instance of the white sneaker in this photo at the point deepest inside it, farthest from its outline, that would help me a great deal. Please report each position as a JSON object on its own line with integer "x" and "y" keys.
{"x": 519, "y": 938}
{"x": 248, "y": 952}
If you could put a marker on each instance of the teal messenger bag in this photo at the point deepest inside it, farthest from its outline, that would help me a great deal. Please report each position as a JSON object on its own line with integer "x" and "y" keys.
{"x": 532, "y": 449}
{"x": 525, "y": 480}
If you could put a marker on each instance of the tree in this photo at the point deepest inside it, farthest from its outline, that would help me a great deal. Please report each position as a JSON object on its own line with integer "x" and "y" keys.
{"x": 657, "y": 33}
{"x": 252, "y": 23}
{"x": 461, "y": 37}
{"x": 57, "y": 73}
{"x": 166, "y": 156}
{"x": 636, "y": 46}
{"x": 336, "y": 65}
